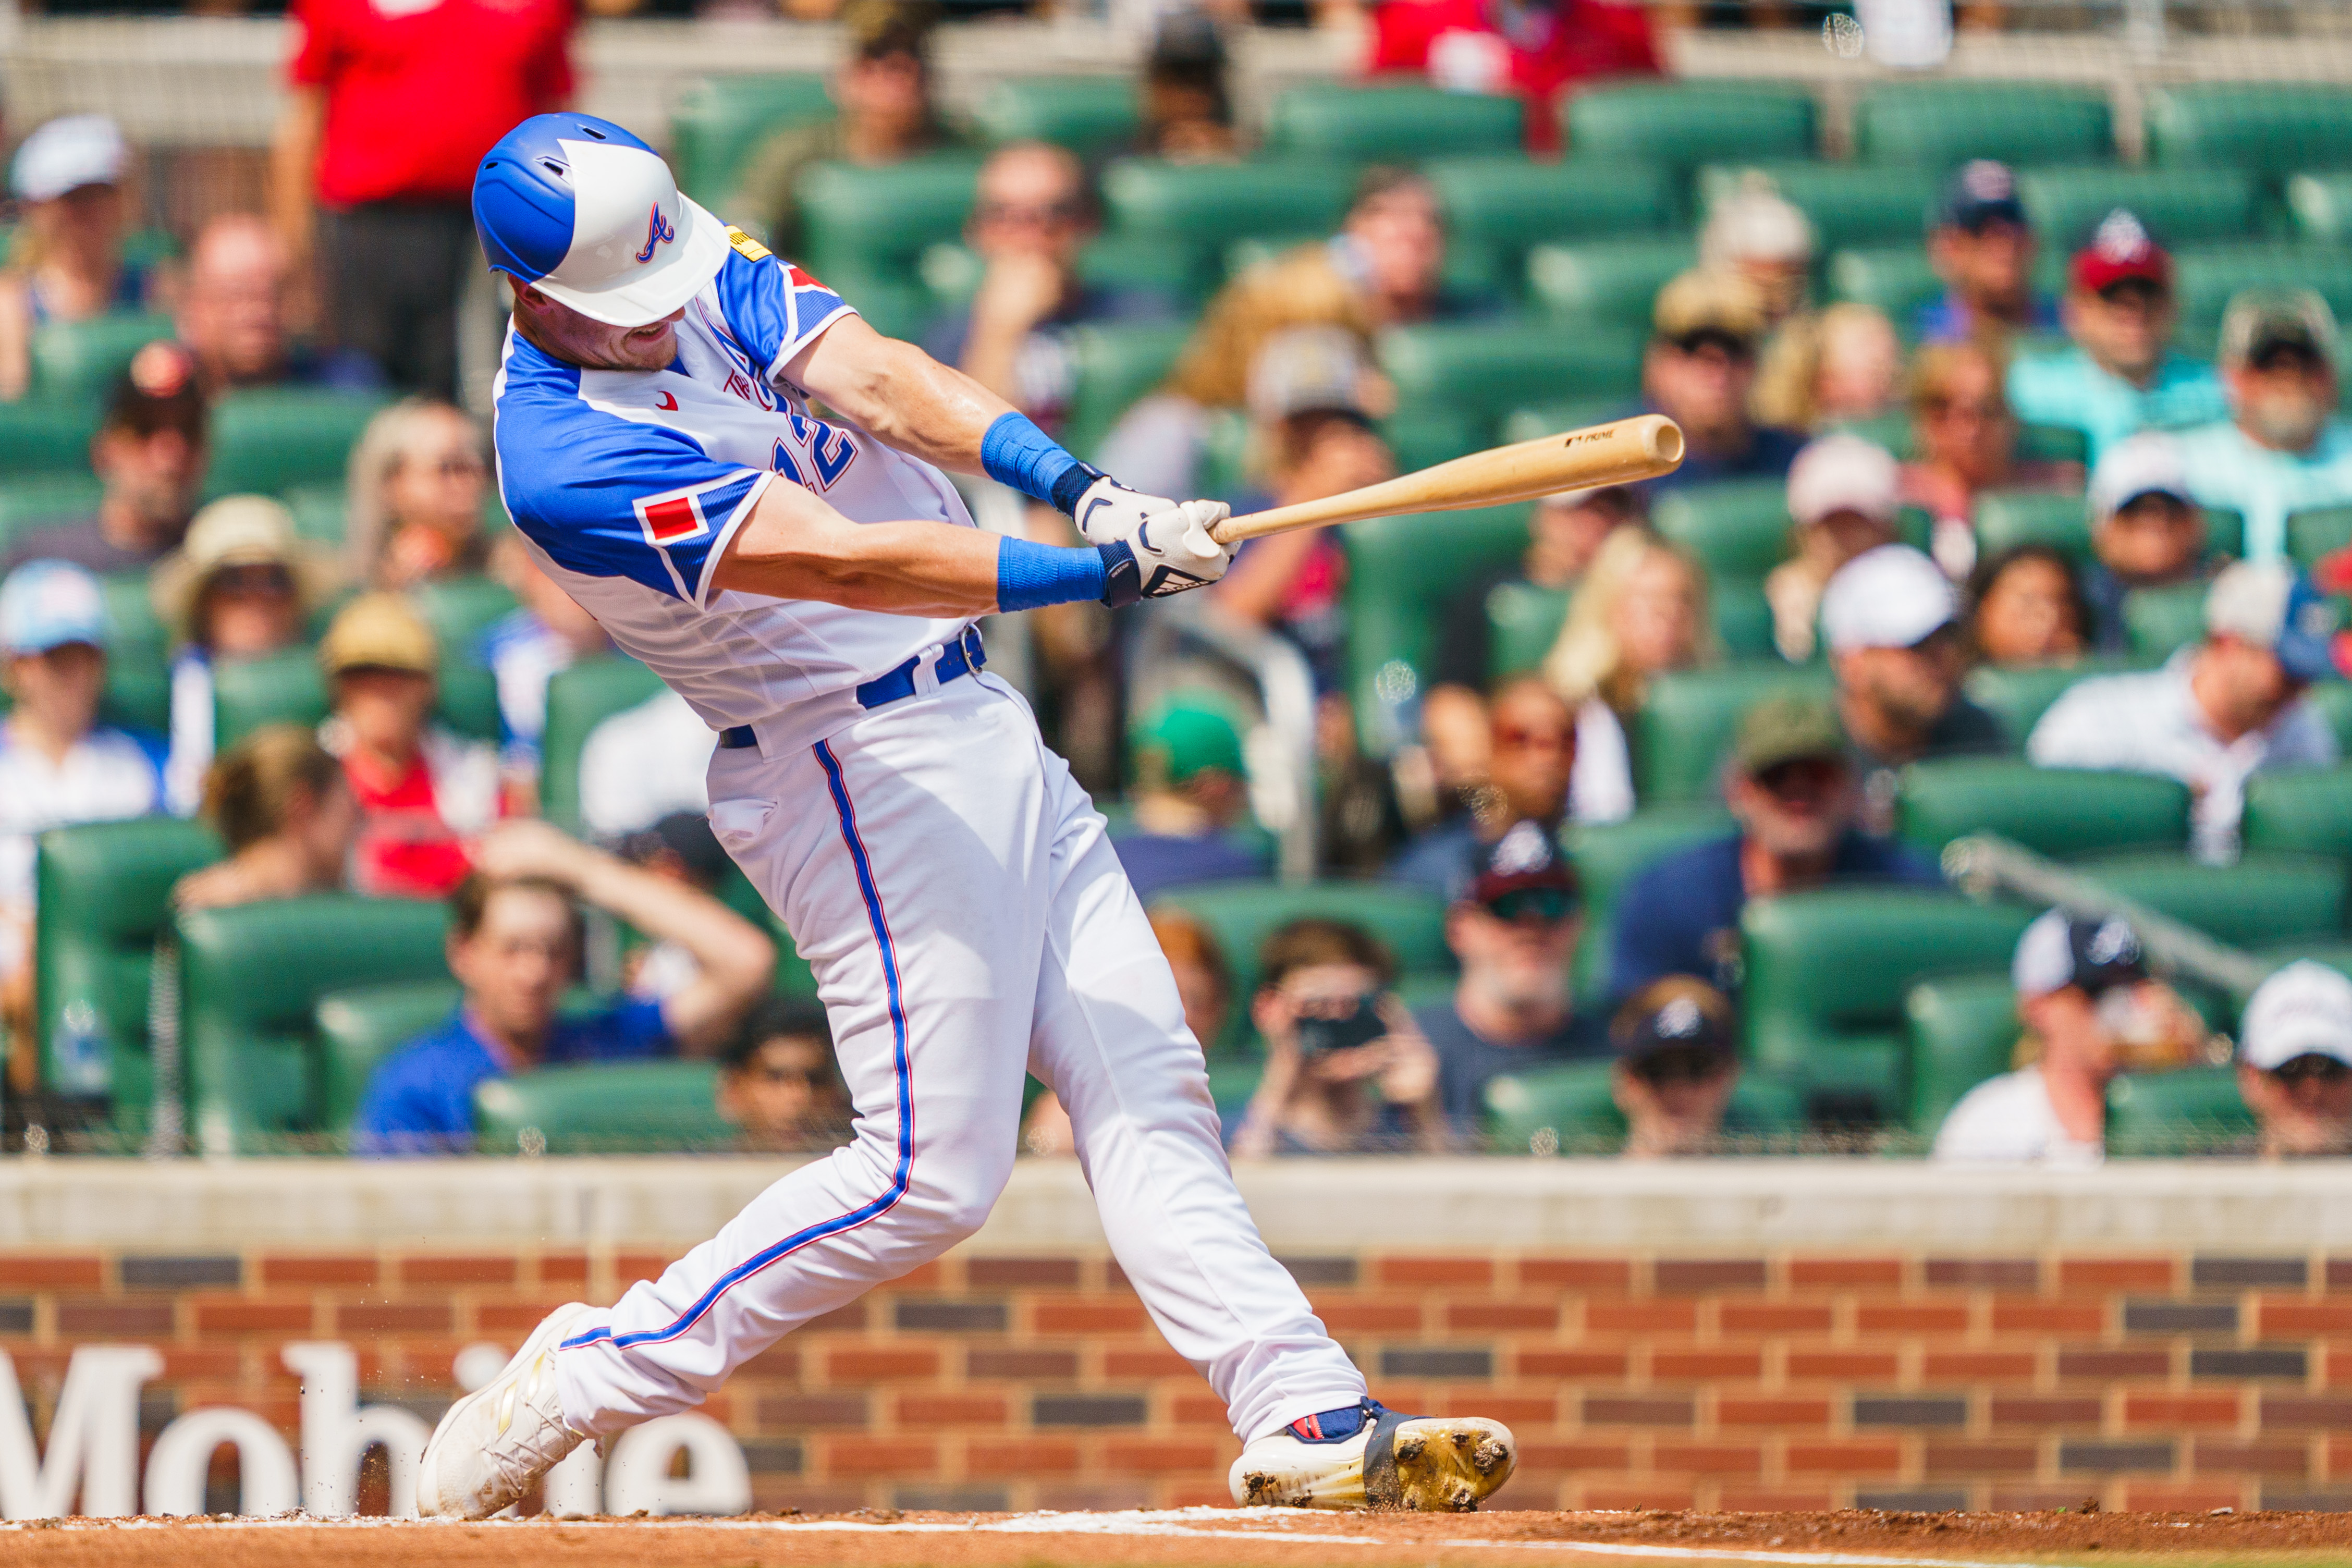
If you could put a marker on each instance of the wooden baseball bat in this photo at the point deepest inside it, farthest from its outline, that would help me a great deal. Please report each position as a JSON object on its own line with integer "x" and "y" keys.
{"x": 1612, "y": 453}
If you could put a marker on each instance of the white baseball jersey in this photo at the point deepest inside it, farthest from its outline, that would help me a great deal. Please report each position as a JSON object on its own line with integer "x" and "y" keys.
{"x": 629, "y": 484}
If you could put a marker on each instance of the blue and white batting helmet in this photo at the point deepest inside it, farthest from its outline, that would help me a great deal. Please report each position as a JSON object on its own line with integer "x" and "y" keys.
{"x": 589, "y": 215}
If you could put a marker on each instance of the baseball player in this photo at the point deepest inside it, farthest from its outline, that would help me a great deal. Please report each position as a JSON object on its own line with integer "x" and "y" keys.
{"x": 809, "y": 584}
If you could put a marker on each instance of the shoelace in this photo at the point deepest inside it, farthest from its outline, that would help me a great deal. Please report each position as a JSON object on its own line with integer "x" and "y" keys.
{"x": 520, "y": 1454}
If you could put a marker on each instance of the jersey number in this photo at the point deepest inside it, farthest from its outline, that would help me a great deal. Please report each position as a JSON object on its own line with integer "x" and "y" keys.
{"x": 830, "y": 452}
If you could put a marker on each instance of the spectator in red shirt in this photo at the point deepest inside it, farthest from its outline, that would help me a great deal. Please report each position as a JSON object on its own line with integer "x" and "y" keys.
{"x": 390, "y": 109}
{"x": 423, "y": 792}
{"x": 1534, "y": 48}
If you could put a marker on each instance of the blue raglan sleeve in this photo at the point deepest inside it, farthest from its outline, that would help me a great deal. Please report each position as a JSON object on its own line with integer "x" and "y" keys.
{"x": 774, "y": 308}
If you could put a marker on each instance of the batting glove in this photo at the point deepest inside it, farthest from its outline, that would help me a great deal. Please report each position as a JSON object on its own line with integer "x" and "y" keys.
{"x": 1108, "y": 511}
{"x": 1171, "y": 552}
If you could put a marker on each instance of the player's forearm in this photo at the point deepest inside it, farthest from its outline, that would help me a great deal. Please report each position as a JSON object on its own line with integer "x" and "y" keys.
{"x": 904, "y": 397}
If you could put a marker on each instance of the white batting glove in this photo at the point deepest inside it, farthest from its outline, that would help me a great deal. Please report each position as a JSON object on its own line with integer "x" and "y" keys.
{"x": 1171, "y": 552}
{"x": 1108, "y": 511}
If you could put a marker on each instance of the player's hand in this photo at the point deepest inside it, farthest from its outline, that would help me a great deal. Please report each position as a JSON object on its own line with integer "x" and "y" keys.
{"x": 1108, "y": 511}
{"x": 1174, "y": 551}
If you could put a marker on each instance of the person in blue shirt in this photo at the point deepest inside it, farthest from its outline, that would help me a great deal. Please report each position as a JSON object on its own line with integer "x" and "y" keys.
{"x": 2283, "y": 449}
{"x": 1982, "y": 247}
{"x": 515, "y": 930}
{"x": 1191, "y": 791}
{"x": 1793, "y": 791}
{"x": 1699, "y": 370}
{"x": 2121, "y": 375}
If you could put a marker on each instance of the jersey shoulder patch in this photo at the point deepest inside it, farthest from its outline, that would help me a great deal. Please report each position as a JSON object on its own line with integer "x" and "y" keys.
{"x": 676, "y": 517}
{"x": 750, "y": 249}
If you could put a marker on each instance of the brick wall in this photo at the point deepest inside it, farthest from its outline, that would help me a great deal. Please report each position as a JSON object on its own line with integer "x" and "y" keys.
{"x": 1793, "y": 1380}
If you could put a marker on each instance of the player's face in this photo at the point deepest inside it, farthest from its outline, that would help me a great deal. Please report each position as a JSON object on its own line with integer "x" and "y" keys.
{"x": 577, "y": 340}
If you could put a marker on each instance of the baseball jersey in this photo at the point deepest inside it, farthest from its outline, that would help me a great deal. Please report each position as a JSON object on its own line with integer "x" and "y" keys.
{"x": 629, "y": 485}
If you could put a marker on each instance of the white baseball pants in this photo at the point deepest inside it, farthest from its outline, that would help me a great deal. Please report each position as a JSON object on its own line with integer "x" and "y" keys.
{"x": 965, "y": 917}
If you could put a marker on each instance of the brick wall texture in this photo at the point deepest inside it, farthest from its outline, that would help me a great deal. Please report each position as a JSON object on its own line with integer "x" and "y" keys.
{"x": 1788, "y": 1381}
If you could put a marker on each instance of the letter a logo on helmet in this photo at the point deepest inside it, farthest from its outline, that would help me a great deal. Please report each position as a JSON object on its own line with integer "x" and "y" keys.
{"x": 587, "y": 214}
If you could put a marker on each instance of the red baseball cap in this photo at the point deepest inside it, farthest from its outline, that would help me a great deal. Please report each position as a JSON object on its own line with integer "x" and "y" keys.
{"x": 2120, "y": 251}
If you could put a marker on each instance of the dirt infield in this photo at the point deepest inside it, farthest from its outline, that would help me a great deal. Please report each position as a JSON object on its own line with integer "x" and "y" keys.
{"x": 1203, "y": 1538}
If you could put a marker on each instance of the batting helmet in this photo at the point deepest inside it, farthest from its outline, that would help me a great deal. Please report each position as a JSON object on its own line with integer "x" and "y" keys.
{"x": 589, "y": 215}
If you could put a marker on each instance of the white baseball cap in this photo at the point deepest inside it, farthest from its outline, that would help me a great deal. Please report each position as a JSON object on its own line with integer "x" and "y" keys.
{"x": 1891, "y": 596}
{"x": 1843, "y": 472}
{"x": 67, "y": 154}
{"x": 2304, "y": 1009}
{"x": 2272, "y": 606}
{"x": 49, "y": 604}
{"x": 2146, "y": 464}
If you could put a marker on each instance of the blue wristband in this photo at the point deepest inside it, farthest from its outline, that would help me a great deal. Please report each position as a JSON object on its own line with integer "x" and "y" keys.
{"x": 1031, "y": 575}
{"x": 1015, "y": 452}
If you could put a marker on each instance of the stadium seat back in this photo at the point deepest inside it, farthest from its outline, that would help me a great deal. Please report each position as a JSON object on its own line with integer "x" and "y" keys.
{"x": 2019, "y": 696}
{"x": 104, "y": 897}
{"x": 1827, "y": 973}
{"x": 1848, "y": 204}
{"x": 2187, "y": 1112}
{"x": 1569, "y": 1110}
{"x": 1500, "y": 206}
{"x": 2007, "y": 519}
{"x": 2206, "y": 276}
{"x": 43, "y": 437}
{"x": 460, "y": 609}
{"x": 604, "y": 1107}
{"x": 1084, "y": 113}
{"x": 321, "y": 512}
{"x": 1939, "y": 125}
{"x": 1348, "y": 122}
{"x": 2179, "y": 206}
{"x": 720, "y": 121}
{"x": 1116, "y": 365}
{"x": 2061, "y": 811}
{"x": 468, "y": 703}
{"x": 1897, "y": 279}
{"x": 2317, "y": 531}
{"x": 1609, "y": 855}
{"x": 2264, "y": 899}
{"x": 359, "y": 1028}
{"x": 1612, "y": 280}
{"x": 77, "y": 362}
{"x": 1960, "y": 1029}
{"x": 2266, "y": 128}
{"x": 578, "y": 699}
{"x": 1685, "y": 726}
{"x": 250, "y": 981}
{"x": 1682, "y": 124}
{"x": 2161, "y": 621}
{"x": 1403, "y": 571}
{"x": 30, "y": 500}
{"x": 1737, "y": 528}
{"x": 1207, "y": 206}
{"x": 1522, "y": 623}
{"x": 2303, "y": 811}
{"x": 284, "y": 687}
{"x": 2321, "y": 204}
{"x": 267, "y": 439}
{"x": 1489, "y": 369}
{"x": 860, "y": 220}
{"x": 1742, "y": 616}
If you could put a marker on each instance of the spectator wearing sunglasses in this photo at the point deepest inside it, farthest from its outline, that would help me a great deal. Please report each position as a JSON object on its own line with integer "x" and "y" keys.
{"x": 2283, "y": 448}
{"x": 1982, "y": 247}
{"x": 2121, "y": 375}
{"x": 779, "y": 1084}
{"x": 1677, "y": 1063}
{"x": 1700, "y": 371}
{"x": 2294, "y": 1061}
{"x": 1791, "y": 787}
{"x": 1515, "y": 930}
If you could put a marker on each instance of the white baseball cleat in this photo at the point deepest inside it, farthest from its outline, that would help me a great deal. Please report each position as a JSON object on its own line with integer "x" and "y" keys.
{"x": 496, "y": 1443}
{"x": 1374, "y": 1458}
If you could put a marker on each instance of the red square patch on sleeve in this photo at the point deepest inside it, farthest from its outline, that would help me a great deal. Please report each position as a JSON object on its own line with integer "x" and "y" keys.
{"x": 675, "y": 517}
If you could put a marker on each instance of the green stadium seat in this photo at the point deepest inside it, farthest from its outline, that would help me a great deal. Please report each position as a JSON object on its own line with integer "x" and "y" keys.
{"x": 1241, "y": 915}
{"x": 1203, "y": 208}
{"x": 2225, "y": 531}
{"x": 1538, "y": 419}
{"x": 1607, "y": 855}
{"x": 1402, "y": 574}
{"x": 1116, "y": 365}
{"x": 134, "y": 629}
{"x": 2264, "y": 128}
{"x": 2050, "y": 444}
{"x": 2007, "y": 519}
{"x": 274, "y": 689}
{"x": 469, "y": 701}
{"x": 320, "y": 512}
{"x": 1848, "y": 204}
{"x": 1737, "y": 528}
{"x": 2304, "y": 811}
{"x": 1942, "y": 124}
{"x": 1685, "y": 727}
{"x": 2331, "y": 700}
{"x": 42, "y": 438}
{"x": 2159, "y": 621}
{"x": 1827, "y": 973}
{"x": 1499, "y": 207}
{"x": 578, "y": 699}
{"x": 2061, "y": 811}
{"x": 251, "y": 978}
{"x": 359, "y": 1028}
{"x": 2321, "y": 204}
{"x": 1743, "y": 617}
{"x": 2206, "y": 276}
{"x": 2187, "y": 1112}
{"x": 2316, "y": 533}
{"x": 606, "y": 1108}
{"x": 138, "y": 695}
{"x": 104, "y": 897}
{"x": 872, "y": 222}
{"x": 889, "y": 294}
{"x": 1484, "y": 370}
{"x": 460, "y": 609}
{"x": 268, "y": 440}
{"x": 1897, "y": 279}
{"x": 1680, "y": 125}
{"x": 721, "y": 120}
{"x": 1346, "y": 123}
{"x": 1084, "y": 113}
{"x": 1125, "y": 261}
{"x": 79, "y": 362}
{"x": 1612, "y": 280}
{"x": 1569, "y": 1110}
{"x": 1522, "y": 623}
{"x": 1960, "y": 1030}
{"x": 30, "y": 500}
{"x": 2178, "y": 206}
{"x": 2262, "y": 898}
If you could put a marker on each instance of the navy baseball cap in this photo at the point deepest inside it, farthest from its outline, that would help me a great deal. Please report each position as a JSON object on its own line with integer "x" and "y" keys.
{"x": 2274, "y": 606}
{"x": 1981, "y": 191}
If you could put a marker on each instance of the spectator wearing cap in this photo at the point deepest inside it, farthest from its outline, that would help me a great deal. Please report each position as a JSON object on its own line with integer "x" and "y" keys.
{"x": 1678, "y": 1061}
{"x": 1791, "y": 786}
{"x": 1514, "y": 929}
{"x": 423, "y": 791}
{"x": 2294, "y": 1061}
{"x": 2216, "y": 713}
{"x": 2121, "y": 375}
{"x": 235, "y": 296}
{"x": 1964, "y": 440}
{"x": 1700, "y": 370}
{"x": 148, "y": 455}
{"x": 1191, "y": 790}
{"x": 282, "y": 806}
{"x": 1188, "y": 106}
{"x": 242, "y": 586}
{"x": 1032, "y": 213}
{"x": 2026, "y": 609}
{"x": 887, "y": 114}
{"x": 546, "y": 632}
{"x": 1842, "y": 494}
{"x": 58, "y": 765}
{"x": 2283, "y": 448}
{"x": 1539, "y": 52}
{"x": 1765, "y": 240}
{"x": 388, "y": 112}
{"x": 1982, "y": 247}
{"x": 2091, "y": 1011}
{"x": 1897, "y": 651}
{"x": 2146, "y": 531}
{"x": 778, "y": 1083}
{"x": 514, "y": 945}
{"x": 68, "y": 263}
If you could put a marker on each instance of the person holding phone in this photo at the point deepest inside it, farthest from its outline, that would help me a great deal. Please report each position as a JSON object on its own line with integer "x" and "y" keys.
{"x": 1346, "y": 1070}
